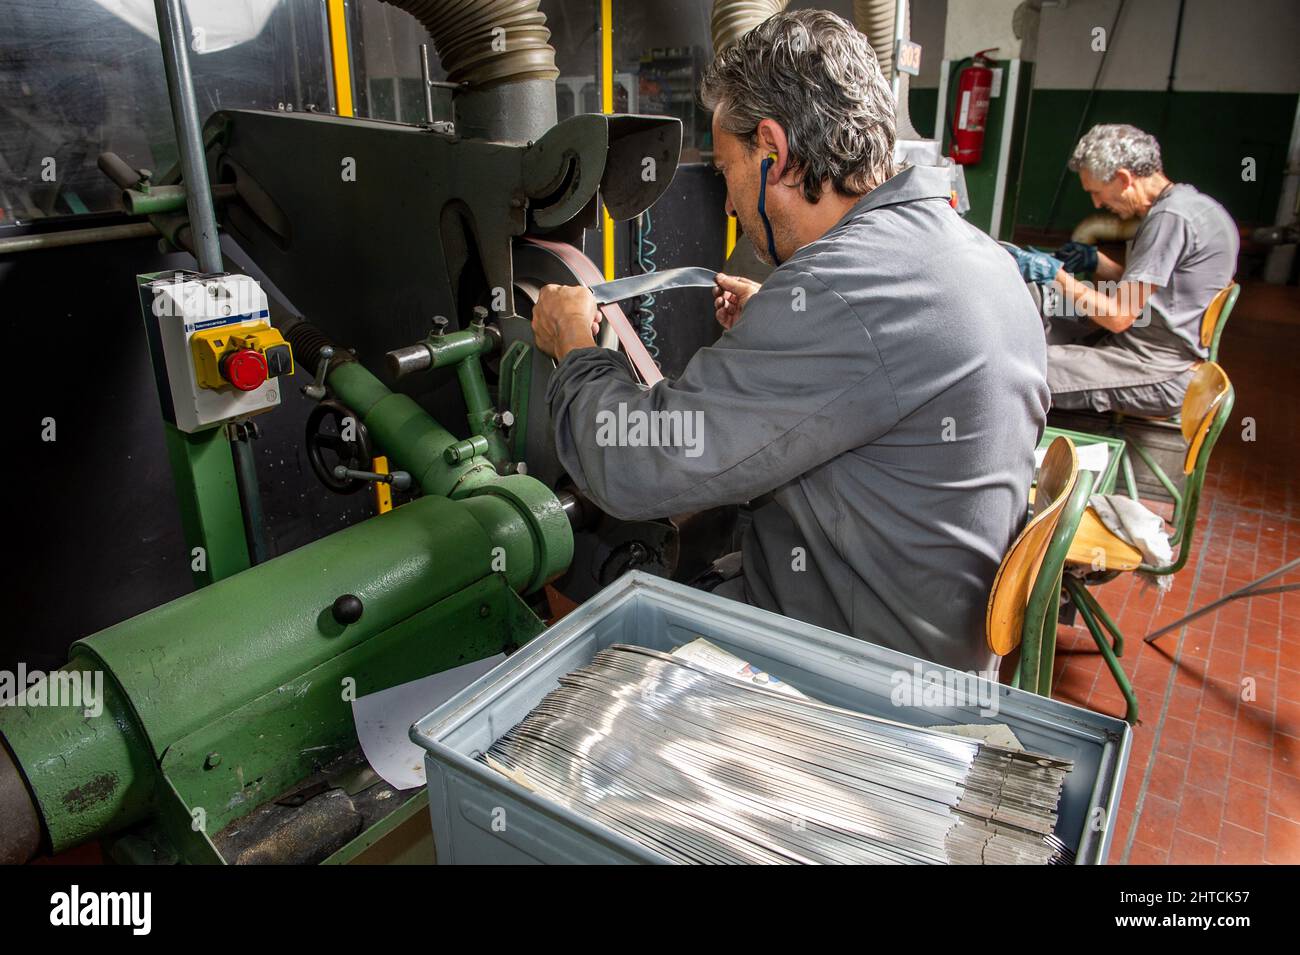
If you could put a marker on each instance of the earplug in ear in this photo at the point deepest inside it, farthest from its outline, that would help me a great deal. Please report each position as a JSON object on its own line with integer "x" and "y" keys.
{"x": 767, "y": 164}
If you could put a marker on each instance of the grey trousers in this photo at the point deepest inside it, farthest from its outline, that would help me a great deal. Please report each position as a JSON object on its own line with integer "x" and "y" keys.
{"x": 1112, "y": 379}
{"x": 1088, "y": 371}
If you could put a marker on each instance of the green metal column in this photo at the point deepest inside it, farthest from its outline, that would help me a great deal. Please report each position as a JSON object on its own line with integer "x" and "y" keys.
{"x": 203, "y": 471}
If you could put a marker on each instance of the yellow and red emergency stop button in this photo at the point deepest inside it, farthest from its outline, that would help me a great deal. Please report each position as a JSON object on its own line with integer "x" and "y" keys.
{"x": 245, "y": 369}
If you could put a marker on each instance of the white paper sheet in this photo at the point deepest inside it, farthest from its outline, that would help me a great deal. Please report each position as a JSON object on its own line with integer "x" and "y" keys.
{"x": 384, "y": 719}
{"x": 1092, "y": 457}
{"x": 717, "y": 660}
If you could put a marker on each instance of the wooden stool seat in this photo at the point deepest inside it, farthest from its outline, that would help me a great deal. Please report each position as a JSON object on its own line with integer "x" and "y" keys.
{"x": 1093, "y": 540}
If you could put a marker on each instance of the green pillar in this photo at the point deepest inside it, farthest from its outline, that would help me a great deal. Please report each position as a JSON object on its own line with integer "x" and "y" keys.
{"x": 203, "y": 471}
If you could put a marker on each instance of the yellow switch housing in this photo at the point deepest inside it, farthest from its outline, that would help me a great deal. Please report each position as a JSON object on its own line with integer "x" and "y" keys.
{"x": 212, "y": 344}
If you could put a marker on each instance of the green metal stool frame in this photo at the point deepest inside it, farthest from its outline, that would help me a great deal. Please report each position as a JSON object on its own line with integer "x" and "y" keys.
{"x": 1184, "y": 523}
{"x": 1023, "y": 602}
{"x": 1038, "y": 636}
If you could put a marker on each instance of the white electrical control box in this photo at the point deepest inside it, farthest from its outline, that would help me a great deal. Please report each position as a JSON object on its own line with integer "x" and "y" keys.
{"x": 216, "y": 356}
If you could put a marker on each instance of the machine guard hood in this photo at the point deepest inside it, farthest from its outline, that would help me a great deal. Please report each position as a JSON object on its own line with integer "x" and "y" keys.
{"x": 631, "y": 160}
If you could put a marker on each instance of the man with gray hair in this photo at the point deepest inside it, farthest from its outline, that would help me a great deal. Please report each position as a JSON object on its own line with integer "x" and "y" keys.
{"x": 877, "y": 400}
{"x": 1183, "y": 254}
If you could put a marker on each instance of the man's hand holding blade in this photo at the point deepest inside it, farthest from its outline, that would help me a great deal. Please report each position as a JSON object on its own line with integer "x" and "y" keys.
{"x": 565, "y": 319}
{"x": 729, "y": 297}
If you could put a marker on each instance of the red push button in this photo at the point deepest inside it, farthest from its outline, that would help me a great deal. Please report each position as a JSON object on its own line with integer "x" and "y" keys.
{"x": 244, "y": 369}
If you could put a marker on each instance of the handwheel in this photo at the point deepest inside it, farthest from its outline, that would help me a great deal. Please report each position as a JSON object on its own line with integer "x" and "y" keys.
{"x": 325, "y": 429}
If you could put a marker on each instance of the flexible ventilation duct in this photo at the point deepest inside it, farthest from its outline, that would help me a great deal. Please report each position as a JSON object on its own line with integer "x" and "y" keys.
{"x": 499, "y": 51}
{"x": 1104, "y": 227}
{"x": 732, "y": 19}
{"x": 472, "y": 47}
{"x": 875, "y": 18}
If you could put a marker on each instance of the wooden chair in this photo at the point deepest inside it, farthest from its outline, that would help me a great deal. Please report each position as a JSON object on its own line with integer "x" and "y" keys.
{"x": 1022, "y": 608}
{"x": 1216, "y": 317}
{"x": 1101, "y": 556}
{"x": 1213, "y": 321}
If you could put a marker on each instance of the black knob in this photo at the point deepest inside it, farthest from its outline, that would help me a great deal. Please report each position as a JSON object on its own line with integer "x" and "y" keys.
{"x": 347, "y": 609}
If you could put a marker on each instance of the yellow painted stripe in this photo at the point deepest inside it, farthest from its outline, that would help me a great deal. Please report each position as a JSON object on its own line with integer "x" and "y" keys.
{"x": 607, "y": 106}
{"x": 383, "y": 491}
{"x": 731, "y": 236}
{"x": 339, "y": 53}
{"x": 608, "y": 232}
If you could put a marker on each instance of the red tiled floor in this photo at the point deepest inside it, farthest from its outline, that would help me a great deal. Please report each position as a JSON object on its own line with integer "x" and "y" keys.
{"x": 1192, "y": 850}
{"x": 1282, "y": 841}
{"x": 1201, "y": 813}
{"x": 1251, "y": 763}
{"x": 1214, "y": 775}
{"x": 1239, "y": 846}
{"x": 1246, "y": 806}
{"x": 1143, "y": 854}
{"x": 1284, "y": 798}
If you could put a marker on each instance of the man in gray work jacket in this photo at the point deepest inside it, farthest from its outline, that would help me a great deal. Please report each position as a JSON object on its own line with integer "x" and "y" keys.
{"x": 886, "y": 383}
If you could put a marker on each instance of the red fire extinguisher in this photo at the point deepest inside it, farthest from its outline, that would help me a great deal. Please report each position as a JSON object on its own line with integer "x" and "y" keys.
{"x": 972, "y": 109}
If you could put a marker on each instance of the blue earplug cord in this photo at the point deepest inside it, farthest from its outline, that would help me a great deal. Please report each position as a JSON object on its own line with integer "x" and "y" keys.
{"x": 762, "y": 207}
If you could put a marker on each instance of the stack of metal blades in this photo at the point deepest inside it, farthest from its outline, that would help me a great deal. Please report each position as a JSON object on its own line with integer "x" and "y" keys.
{"x": 703, "y": 768}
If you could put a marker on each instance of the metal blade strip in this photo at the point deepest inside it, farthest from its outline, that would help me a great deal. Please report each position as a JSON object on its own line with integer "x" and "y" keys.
{"x": 652, "y": 283}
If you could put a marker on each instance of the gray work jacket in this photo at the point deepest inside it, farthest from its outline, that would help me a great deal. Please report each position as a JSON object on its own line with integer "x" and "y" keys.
{"x": 887, "y": 384}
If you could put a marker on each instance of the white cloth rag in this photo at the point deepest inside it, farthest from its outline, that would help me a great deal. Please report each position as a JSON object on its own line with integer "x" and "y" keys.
{"x": 1135, "y": 524}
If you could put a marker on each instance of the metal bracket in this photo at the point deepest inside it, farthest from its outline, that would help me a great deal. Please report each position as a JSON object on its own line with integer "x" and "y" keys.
{"x": 514, "y": 386}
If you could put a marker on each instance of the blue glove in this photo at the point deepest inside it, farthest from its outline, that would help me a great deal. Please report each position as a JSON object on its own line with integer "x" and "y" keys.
{"x": 1034, "y": 266}
{"x": 1078, "y": 257}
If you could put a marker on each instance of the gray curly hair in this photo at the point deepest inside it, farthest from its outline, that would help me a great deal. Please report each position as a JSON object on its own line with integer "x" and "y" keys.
{"x": 817, "y": 76}
{"x": 1109, "y": 147}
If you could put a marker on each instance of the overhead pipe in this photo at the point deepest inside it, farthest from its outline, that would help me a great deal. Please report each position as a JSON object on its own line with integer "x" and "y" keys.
{"x": 189, "y": 135}
{"x": 732, "y": 19}
{"x": 500, "y": 56}
{"x": 70, "y": 237}
{"x": 879, "y": 21}
{"x": 876, "y": 19}
{"x": 1104, "y": 227}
